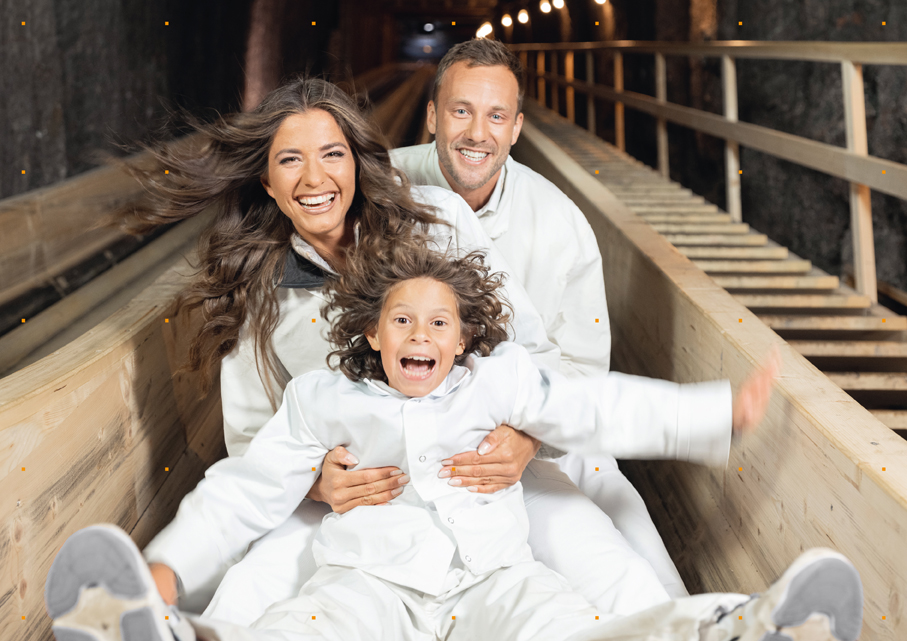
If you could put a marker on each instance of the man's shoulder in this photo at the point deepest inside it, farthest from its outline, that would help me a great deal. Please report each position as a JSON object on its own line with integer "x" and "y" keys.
{"x": 544, "y": 196}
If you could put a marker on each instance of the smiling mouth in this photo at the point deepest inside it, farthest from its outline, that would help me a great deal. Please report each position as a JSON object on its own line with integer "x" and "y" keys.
{"x": 322, "y": 202}
{"x": 473, "y": 157}
{"x": 417, "y": 368}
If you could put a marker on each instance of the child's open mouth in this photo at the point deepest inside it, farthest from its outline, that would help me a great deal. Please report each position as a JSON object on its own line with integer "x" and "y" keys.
{"x": 417, "y": 368}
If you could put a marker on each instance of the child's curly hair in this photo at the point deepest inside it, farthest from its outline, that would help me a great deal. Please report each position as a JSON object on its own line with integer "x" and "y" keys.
{"x": 368, "y": 279}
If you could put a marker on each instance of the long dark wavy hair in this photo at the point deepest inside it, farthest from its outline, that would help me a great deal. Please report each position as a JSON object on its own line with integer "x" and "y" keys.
{"x": 356, "y": 298}
{"x": 242, "y": 254}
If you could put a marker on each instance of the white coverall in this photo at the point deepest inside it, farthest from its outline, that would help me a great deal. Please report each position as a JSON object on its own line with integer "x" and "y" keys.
{"x": 437, "y": 552}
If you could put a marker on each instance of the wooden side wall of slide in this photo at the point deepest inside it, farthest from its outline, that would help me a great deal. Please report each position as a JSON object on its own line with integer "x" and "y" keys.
{"x": 821, "y": 471}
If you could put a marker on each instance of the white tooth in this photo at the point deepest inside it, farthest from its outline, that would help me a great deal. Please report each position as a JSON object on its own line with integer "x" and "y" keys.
{"x": 315, "y": 200}
{"x": 473, "y": 155}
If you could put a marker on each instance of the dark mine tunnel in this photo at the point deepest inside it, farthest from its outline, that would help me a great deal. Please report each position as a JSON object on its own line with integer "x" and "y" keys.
{"x": 686, "y": 190}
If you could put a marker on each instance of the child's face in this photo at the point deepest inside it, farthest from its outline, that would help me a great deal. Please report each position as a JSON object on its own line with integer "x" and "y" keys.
{"x": 419, "y": 319}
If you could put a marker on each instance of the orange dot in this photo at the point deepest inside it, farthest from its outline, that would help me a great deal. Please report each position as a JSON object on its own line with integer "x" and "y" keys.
{"x": 313, "y": 469}
{"x": 166, "y": 24}
{"x": 739, "y": 320}
{"x": 596, "y": 171}
{"x": 596, "y": 320}
{"x": 166, "y": 171}
{"x": 740, "y": 171}
{"x": 23, "y": 616}
{"x": 883, "y": 24}
{"x": 23, "y": 320}
{"x": 23, "y": 469}
{"x": 23, "y": 24}
{"x": 313, "y": 616}
{"x": 740, "y": 24}
{"x": 883, "y": 616}
{"x": 454, "y": 469}
{"x": 313, "y": 320}
{"x": 166, "y": 320}
{"x": 313, "y": 24}
{"x": 23, "y": 172}
{"x": 454, "y": 23}
{"x": 596, "y": 616}
{"x": 740, "y": 617}
{"x": 739, "y": 469}
{"x": 596, "y": 469}
{"x": 596, "y": 24}
{"x": 883, "y": 469}
{"x": 453, "y": 618}
{"x": 166, "y": 469}
{"x": 167, "y": 617}
{"x": 883, "y": 171}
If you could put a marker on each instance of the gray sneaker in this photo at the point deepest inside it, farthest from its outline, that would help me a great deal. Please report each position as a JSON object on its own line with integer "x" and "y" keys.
{"x": 99, "y": 588}
{"x": 818, "y": 598}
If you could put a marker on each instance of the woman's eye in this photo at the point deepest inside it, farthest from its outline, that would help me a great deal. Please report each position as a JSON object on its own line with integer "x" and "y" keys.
{"x": 284, "y": 161}
{"x": 336, "y": 154}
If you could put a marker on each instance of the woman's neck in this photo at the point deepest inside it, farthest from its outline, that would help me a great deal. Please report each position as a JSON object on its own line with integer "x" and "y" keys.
{"x": 331, "y": 247}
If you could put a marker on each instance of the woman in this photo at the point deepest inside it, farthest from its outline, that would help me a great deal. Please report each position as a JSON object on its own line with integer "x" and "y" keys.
{"x": 298, "y": 183}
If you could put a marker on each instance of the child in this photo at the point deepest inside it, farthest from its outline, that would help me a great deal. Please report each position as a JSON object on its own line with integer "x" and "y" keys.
{"x": 426, "y": 370}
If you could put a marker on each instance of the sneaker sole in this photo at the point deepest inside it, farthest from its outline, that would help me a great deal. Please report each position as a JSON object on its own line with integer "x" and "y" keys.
{"x": 99, "y": 589}
{"x": 829, "y": 586}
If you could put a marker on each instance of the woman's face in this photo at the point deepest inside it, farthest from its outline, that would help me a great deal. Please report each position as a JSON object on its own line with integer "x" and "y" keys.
{"x": 312, "y": 176}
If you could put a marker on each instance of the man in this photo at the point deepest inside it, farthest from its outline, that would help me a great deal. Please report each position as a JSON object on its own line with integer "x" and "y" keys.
{"x": 476, "y": 116}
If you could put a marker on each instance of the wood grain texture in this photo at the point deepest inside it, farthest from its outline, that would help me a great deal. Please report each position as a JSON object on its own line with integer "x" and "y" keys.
{"x": 811, "y": 476}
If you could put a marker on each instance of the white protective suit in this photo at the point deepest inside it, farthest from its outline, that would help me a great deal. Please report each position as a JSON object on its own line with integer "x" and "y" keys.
{"x": 425, "y": 557}
{"x": 552, "y": 250}
{"x": 569, "y": 533}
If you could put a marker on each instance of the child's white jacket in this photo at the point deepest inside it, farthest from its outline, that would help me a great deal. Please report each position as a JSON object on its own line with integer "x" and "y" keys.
{"x": 414, "y": 540}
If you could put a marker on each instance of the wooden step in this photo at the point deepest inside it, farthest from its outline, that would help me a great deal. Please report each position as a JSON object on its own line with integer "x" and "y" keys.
{"x": 842, "y": 323}
{"x": 719, "y": 240}
{"x": 661, "y": 188}
{"x": 895, "y": 419}
{"x": 680, "y": 208}
{"x": 851, "y": 349}
{"x": 794, "y": 266}
{"x": 804, "y": 301}
{"x": 870, "y": 381}
{"x": 736, "y": 253}
{"x": 683, "y": 219}
{"x": 777, "y": 282}
{"x": 700, "y": 229}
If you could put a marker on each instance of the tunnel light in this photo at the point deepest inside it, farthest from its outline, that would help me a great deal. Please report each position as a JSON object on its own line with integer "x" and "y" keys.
{"x": 558, "y": 4}
{"x": 523, "y": 16}
{"x": 484, "y": 30}
{"x": 545, "y": 6}
{"x": 429, "y": 27}
{"x": 506, "y": 20}
{"x": 601, "y": 1}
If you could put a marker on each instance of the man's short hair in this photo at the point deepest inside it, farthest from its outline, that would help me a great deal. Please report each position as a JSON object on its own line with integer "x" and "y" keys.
{"x": 480, "y": 52}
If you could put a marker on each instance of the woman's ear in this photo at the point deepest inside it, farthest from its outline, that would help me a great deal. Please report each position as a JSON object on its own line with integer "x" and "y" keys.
{"x": 372, "y": 337}
{"x": 266, "y": 184}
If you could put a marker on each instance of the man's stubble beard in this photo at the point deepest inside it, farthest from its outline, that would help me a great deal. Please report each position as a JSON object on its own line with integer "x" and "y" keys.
{"x": 448, "y": 164}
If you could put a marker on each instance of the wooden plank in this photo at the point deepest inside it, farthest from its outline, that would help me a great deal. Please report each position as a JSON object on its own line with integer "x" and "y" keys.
{"x": 699, "y": 228}
{"x": 570, "y": 93}
{"x": 870, "y": 381}
{"x": 870, "y": 53}
{"x": 704, "y": 219}
{"x": 619, "y": 127}
{"x": 895, "y": 419}
{"x": 886, "y": 176}
{"x": 661, "y": 125}
{"x": 804, "y": 301}
{"x": 844, "y": 323}
{"x": 806, "y": 480}
{"x": 854, "y": 349}
{"x": 96, "y": 425}
{"x": 731, "y": 148}
{"x": 590, "y": 99}
{"x": 737, "y": 253}
{"x": 754, "y": 266}
{"x": 777, "y": 282}
{"x": 718, "y": 240}
{"x": 540, "y": 68}
{"x": 685, "y": 208}
{"x": 860, "y": 198}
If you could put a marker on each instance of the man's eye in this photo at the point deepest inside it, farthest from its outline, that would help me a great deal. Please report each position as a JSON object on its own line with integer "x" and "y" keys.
{"x": 460, "y": 111}
{"x": 498, "y": 116}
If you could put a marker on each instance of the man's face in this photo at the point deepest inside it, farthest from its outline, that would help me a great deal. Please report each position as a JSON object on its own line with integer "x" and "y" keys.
{"x": 475, "y": 122}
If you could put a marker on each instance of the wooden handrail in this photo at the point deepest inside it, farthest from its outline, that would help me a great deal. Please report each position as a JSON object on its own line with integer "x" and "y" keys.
{"x": 854, "y": 164}
{"x": 867, "y": 53}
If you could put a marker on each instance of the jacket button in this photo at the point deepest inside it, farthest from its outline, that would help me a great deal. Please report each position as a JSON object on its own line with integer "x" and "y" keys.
{"x": 468, "y": 559}
{"x": 422, "y": 459}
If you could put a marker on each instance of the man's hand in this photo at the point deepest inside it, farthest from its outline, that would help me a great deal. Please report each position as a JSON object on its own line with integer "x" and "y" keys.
{"x": 165, "y": 580}
{"x": 498, "y": 463}
{"x": 753, "y": 396}
{"x": 343, "y": 490}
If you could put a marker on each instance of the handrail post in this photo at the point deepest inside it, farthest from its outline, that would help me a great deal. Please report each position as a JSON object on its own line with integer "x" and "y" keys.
{"x": 540, "y": 70}
{"x": 661, "y": 94}
{"x": 524, "y": 60}
{"x": 731, "y": 148}
{"x": 590, "y": 99}
{"x": 571, "y": 101}
{"x": 555, "y": 85}
{"x": 864, "y": 264}
{"x": 619, "y": 135}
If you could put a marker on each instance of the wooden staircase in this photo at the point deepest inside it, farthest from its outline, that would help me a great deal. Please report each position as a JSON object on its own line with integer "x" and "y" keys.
{"x": 860, "y": 345}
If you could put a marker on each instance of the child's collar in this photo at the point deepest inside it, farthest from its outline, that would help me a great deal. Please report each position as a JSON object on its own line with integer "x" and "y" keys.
{"x": 457, "y": 375}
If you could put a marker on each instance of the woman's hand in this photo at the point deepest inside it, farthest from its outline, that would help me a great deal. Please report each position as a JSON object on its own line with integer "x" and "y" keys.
{"x": 753, "y": 396}
{"x": 343, "y": 490}
{"x": 165, "y": 580}
{"x": 498, "y": 463}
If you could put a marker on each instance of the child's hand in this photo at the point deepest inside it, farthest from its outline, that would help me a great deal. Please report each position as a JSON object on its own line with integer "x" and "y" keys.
{"x": 753, "y": 396}
{"x": 165, "y": 580}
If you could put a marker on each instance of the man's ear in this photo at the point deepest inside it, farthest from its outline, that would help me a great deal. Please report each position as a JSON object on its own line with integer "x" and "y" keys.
{"x": 372, "y": 337}
{"x": 431, "y": 119}
{"x": 516, "y": 128}
{"x": 267, "y": 185}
